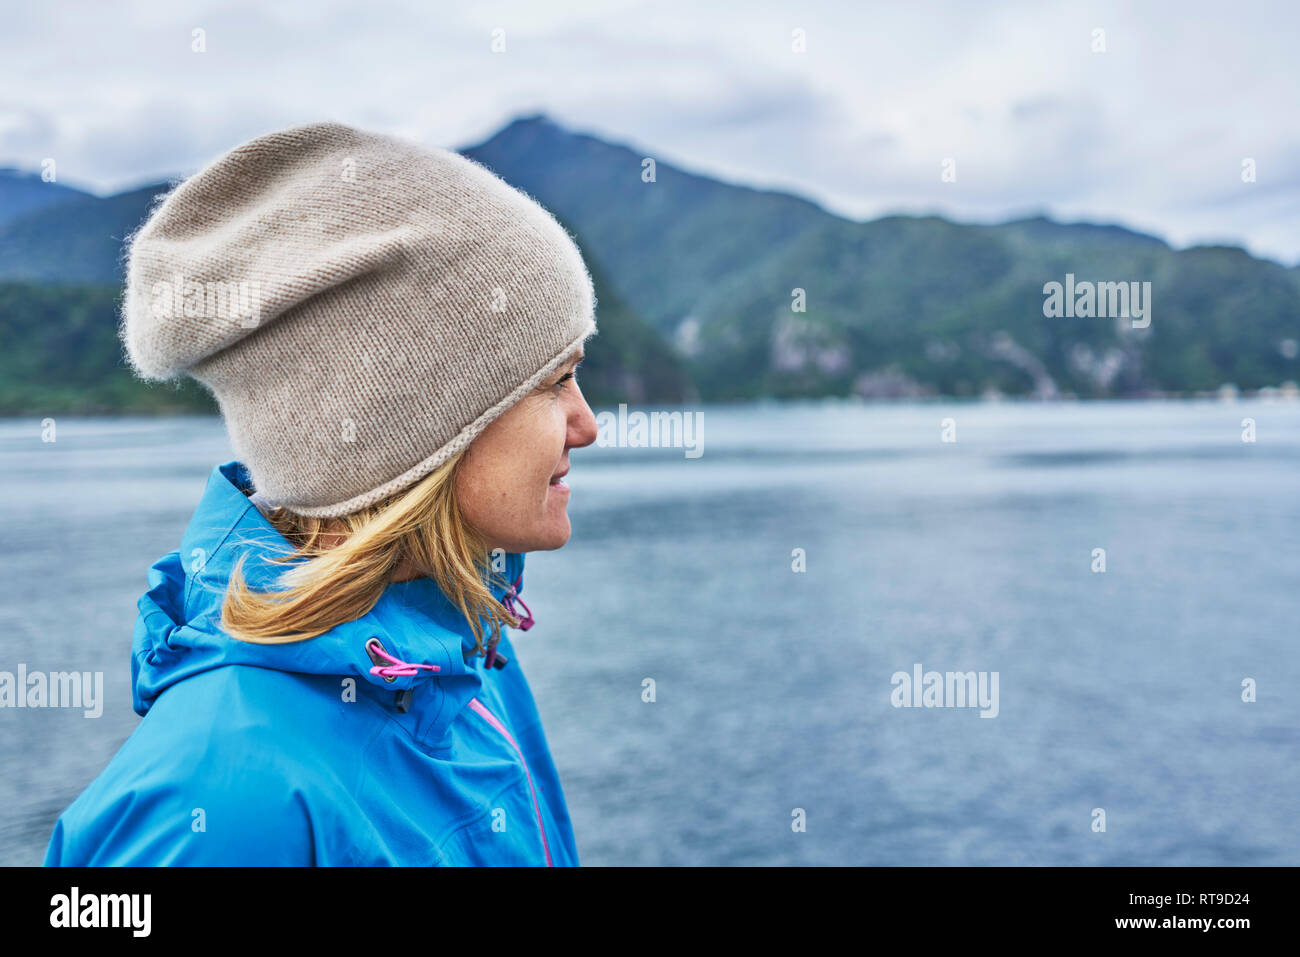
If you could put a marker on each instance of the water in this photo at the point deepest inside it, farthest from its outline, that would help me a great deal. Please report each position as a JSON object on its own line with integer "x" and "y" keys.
{"x": 1119, "y": 691}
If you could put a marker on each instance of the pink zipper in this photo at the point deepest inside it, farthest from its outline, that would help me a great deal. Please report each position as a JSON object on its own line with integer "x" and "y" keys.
{"x": 491, "y": 719}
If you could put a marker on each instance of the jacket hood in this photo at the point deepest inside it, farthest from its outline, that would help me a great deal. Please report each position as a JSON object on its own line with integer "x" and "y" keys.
{"x": 178, "y": 631}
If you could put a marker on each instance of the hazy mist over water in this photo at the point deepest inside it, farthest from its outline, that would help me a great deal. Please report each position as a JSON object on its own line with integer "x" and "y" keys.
{"x": 1119, "y": 690}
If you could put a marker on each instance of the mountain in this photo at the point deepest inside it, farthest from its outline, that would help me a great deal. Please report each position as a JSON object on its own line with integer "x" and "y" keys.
{"x": 75, "y": 241}
{"x": 716, "y": 291}
{"x": 665, "y": 244}
{"x": 22, "y": 192}
{"x": 898, "y": 305}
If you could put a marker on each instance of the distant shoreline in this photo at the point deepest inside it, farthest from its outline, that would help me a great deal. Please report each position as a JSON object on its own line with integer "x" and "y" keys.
{"x": 1285, "y": 394}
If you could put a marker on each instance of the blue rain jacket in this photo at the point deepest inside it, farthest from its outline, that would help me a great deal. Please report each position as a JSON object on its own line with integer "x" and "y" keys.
{"x": 296, "y": 754}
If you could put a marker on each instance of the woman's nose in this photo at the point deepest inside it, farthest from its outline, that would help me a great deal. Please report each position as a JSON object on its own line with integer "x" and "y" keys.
{"x": 582, "y": 423}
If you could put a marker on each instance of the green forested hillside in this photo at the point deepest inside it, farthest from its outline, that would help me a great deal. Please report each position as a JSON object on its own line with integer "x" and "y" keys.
{"x": 59, "y": 353}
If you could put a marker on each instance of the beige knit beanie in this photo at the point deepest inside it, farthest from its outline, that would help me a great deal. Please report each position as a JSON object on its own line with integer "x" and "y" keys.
{"x": 362, "y": 307}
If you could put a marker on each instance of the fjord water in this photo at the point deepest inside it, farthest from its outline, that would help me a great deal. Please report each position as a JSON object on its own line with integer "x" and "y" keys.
{"x": 1118, "y": 690}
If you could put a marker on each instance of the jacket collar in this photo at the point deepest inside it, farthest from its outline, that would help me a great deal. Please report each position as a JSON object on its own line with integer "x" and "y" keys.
{"x": 178, "y": 632}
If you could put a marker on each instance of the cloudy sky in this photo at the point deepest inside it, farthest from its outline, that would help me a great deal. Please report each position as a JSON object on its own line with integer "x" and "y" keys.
{"x": 1151, "y": 133}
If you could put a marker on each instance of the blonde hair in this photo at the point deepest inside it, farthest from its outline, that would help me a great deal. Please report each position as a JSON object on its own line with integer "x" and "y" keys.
{"x": 420, "y": 530}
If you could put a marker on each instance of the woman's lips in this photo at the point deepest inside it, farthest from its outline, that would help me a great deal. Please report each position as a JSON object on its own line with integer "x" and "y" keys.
{"x": 557, "y": 481}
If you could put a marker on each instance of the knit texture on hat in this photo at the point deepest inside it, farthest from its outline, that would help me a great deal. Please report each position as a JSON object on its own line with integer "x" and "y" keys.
{"x": 362, "y": 307}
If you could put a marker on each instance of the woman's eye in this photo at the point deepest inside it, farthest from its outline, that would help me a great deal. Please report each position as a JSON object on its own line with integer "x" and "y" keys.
{"x": 563, "y": 379}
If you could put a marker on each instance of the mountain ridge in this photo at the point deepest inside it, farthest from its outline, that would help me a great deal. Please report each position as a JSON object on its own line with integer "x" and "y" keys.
{"x": 724, "y": 291}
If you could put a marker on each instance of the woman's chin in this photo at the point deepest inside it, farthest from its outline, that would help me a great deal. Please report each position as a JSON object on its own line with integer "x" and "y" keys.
{"x": 554, "y": 535}
{"x": 550, "y": 533}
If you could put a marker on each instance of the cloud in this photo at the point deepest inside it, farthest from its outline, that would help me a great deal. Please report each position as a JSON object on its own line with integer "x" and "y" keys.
{"x": 1150, "y": 133}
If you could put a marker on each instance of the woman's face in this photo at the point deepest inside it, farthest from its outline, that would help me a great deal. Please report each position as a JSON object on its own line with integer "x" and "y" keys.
{"x": 509, "y": 486}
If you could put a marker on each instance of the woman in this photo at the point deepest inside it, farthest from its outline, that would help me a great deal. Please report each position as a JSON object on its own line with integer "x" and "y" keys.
{"x": 391, "y": 333}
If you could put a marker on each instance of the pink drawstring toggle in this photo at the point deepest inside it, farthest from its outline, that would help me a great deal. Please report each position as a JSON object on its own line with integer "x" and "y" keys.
{"x": 512, "y": 596}
{"x": 398, "y": 668}
{"x": 491, "y": 658}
